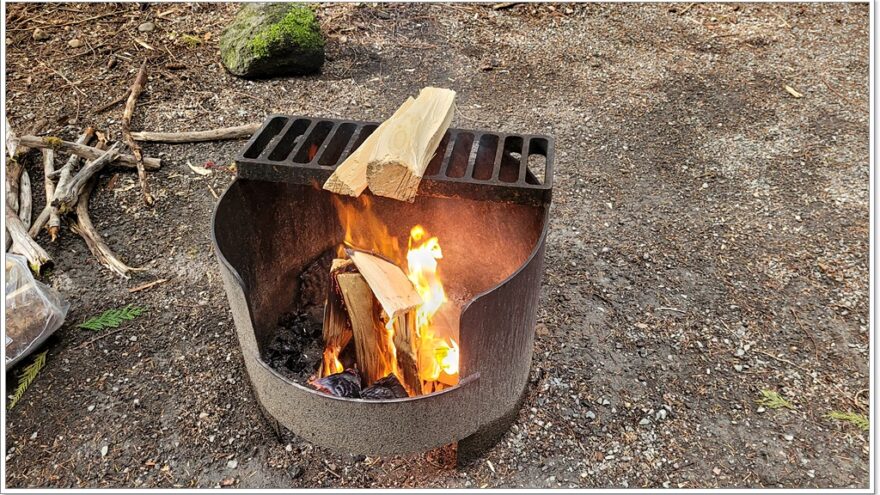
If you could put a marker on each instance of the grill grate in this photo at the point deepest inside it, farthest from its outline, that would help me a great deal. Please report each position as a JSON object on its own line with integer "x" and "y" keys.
{"x": 469, "y": 164}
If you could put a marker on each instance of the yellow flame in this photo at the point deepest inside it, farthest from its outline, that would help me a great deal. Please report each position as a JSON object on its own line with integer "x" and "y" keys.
{"x": 435, "y": 354}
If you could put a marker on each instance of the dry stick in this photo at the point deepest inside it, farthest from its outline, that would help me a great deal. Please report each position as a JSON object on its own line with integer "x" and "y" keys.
{"x": 26, "y": 200}
{"x": 21, "y": 242}
{"x": 243, "y": 131}
{"x": 13, "y": 176}
{"x": 148, "y": 285}
{"x": 113, "y": 103}
{"x": 67, "y": 198}
{"x": 84, "y": 228}
{"x": 64, "y": 174}
{"x": 54, "y": 222}
{"x": 136, "y": 89}
{"x": 87, "y": 152}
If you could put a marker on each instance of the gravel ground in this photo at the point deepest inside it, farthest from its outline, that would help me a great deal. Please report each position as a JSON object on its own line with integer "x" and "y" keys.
{"x": 709, "y": 240}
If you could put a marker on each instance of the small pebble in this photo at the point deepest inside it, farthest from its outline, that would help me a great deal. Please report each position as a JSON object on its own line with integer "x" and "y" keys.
{"x": 91, "y": 408}
{"x": 74, "y": 43}
{"x": 716, "y": 470}
{"x": 104, "y": 450}
{"x": 788, "y": 437}
{"x": 232, "y": 464}
{"x": 645, "y": 421}
{"x": 146, "y": 27}
{"x": 738, "y": 367}
{"x": 40, "y": 35}
{"x": 590, "y": 415}
{"x": 760, "y": 409}
{"x": 34, "y": 436}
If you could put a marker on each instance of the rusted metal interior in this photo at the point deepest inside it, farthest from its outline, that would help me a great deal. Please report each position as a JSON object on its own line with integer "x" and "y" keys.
{"x": 480, "y": 197}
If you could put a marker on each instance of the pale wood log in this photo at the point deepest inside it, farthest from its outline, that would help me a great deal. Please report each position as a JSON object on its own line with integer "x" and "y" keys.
{"x": 85, "y": 229}
{"x": 391, "y": 286}
{"x": 337, "y": 327}
{"x": 136, "y": 88}
{"x": 371, "y": 345}
{"x": 406, "y": 145}
{"x": 350, "y": 177}
{"x": 239, "y": 132}
{"x": 67, "y": 198}
{"x": 63, "y": 174}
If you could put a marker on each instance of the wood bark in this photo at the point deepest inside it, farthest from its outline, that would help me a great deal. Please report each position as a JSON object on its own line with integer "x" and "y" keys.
{"x": 85, "y": 229}
{"x": 66, "y": 198}
{"x": 136, "y": 88}
{"x": 405, "y": 147}
{"x": 63, "y": 174}
{"x": 350, "y": 177}
{"x": 87, "y": 152}
{"x": 240, "y": 132}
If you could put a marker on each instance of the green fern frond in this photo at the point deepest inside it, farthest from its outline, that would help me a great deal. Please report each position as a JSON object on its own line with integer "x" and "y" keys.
{"x": 112, "y": 318}
{"x": 27, "y": 376}
{"x": 858, "y": 420}
{"x": 772, "y": 400}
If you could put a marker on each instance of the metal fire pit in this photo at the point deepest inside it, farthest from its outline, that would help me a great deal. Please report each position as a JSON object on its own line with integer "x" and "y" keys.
{"x": 482, "y": 196}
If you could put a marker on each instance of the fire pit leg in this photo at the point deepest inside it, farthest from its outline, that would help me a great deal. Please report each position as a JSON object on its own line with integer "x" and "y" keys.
{"x": 474, "y": 446}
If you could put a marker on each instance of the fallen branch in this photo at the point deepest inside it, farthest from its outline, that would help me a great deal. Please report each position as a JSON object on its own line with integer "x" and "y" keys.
{"x": 54, "y": 220}
{"x": 85, "y": 229}
{"x": 26, "y": 199}
{"x": 113, "y": 103}
{"x": 67, "y": 198}
{"x": 64, "y": 174}
{"x": 21, "y": 241}
{"x": 13, "y": 176}
{"x": 87, "y": 152}
{"x": 136, "y": 88}
{"x": 240, "y": 132}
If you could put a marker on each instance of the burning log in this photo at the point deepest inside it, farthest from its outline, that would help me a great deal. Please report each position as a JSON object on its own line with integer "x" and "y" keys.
{"x": 399, "y": 300}
{"x": 350, "y": 177}
{"x": 407, "y": 143}
{"x": 372, "y": 349}
{"x": 337, "y": 328}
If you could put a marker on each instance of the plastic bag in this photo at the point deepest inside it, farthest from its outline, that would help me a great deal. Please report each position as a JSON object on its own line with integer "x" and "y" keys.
{"x": 33, "y": 310}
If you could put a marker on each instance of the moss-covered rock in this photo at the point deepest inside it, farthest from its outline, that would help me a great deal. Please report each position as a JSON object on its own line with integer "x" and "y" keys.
{"x": 272, "y": 39}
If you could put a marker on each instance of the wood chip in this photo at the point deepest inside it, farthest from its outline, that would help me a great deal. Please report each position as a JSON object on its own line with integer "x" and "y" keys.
{"x": 793, "y": 92}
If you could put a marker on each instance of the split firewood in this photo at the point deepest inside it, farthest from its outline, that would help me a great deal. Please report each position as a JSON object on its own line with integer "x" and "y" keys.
{"x": 67, "y": 197}
{"x": 21, "y": 241}
{"x": 337, "y": 328}
{"x": 64, "y": 174}
{"x": 53, "y": 224}
{"x": 26, "y": 200}
{"x": 398, "y": 300}
{"x": 371, "y": 347}
{"x": 136, "y": 88}
{"x": 350, "y": 177}
{"x": 87, "y": 152}
{"x": 391, "y": 286}
{"x": 240, "y": 132}
{"x": 407, "y": 144}
{"x": 85, "y": 229}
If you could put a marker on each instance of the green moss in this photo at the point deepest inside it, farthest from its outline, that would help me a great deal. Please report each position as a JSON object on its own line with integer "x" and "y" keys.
{"x": 298, "y": 27}
{"x": 52, "y": 141}
{"x": 190, "y": 40}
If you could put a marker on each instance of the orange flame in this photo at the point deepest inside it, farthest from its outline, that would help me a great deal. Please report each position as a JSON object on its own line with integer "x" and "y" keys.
{"x": 438, "y": 357}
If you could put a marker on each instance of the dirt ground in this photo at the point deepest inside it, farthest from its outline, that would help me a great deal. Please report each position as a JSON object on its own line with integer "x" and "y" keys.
{"x": 709, "y": 240}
